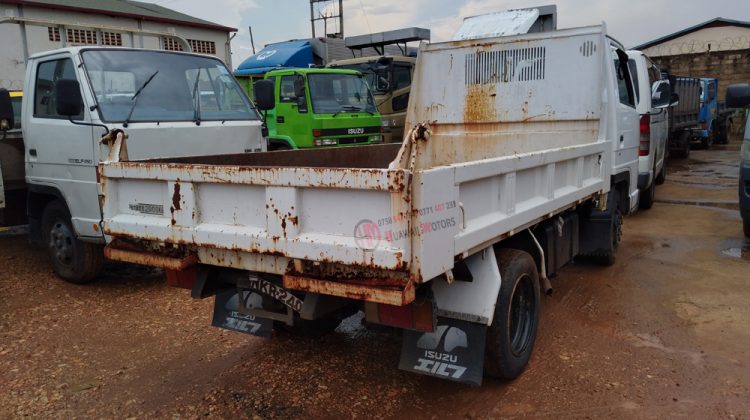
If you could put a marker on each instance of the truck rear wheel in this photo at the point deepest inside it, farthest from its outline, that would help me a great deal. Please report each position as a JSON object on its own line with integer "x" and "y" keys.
{"x": 73, "y": 260}
{"x": 746, "y": 227}
{"x": 511, "y": 337}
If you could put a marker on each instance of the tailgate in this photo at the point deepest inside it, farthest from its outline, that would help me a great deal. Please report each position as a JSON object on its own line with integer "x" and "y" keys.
{"x": 330, "y": 215}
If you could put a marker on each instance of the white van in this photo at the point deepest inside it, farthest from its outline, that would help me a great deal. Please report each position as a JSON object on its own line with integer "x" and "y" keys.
{"x": 653, "y": 96}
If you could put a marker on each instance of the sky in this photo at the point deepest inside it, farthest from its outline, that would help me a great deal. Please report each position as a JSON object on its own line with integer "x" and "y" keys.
{"x": 632, "y": 22}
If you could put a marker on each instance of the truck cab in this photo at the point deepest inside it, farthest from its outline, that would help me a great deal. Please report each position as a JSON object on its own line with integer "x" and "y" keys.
{"x": 172, "y": 104}
{"x": 390, "y": 78}
{"x": 653, "y": 97}
{"x": 321, "y": 107}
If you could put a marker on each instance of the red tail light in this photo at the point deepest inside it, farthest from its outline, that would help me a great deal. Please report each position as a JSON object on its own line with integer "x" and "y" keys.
{"x": 645, "y": 143}
{"x": 316, "y": 133}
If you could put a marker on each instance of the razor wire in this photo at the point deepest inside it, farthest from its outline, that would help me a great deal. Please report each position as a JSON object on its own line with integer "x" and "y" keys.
{"x": 11, "y": 84}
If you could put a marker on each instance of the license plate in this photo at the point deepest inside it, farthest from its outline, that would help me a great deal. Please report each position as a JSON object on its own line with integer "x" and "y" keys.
{"x": 275, "y": 291}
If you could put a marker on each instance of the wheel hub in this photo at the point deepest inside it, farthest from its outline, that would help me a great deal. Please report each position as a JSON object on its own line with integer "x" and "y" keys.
{"x": 62, "y": 243}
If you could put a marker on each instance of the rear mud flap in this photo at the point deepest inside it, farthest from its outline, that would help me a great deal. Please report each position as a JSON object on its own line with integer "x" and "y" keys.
{"x": 227, "y": 313}
{"x": 454, "y": 351}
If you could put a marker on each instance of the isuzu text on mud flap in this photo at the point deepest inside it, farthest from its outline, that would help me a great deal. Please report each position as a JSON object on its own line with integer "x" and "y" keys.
{"x": 520, "y": 156}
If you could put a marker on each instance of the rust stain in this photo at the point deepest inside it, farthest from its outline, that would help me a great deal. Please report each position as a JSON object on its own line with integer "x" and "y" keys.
{"x": 479, "y": 104}
{"x": 398, "y": 296}
{"x": 176, "y": 196}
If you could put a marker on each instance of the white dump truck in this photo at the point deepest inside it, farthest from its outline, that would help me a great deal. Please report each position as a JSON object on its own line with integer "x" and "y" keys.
{"x": 172, "y": 104}
{"x": 522, "y": 154}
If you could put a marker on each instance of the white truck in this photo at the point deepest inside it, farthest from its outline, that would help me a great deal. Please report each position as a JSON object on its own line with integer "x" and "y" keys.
{"x": 172, "y": 104}
{"x": 653, "y": 96}
{"x": 522, "y": 154}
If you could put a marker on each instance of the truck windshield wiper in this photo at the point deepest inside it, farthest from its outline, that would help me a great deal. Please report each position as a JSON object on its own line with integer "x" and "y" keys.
{"x": 352, "y": 108}
{"x": 135, "y": 98}
{"x": 197, "y": 106}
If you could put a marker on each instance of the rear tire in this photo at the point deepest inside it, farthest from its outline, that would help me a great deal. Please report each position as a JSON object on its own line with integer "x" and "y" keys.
{"x": 648, "y": 196}
{"x": 511, "y": 337}
{"x": 73, "y": 260}
{"x": 662, "y": 177}
{"x": 746, "y": 227}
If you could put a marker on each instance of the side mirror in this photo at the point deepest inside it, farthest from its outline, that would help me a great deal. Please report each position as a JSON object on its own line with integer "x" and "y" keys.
{"x": 264, "y": 97}
{"x": 68, "y": 95}
{"x": 674, "y": 99}
{"x": 6, "y": 111}
{"x": 738, "y": 95}
{"x": 660, "y": 94}
{"x": 299, "y": 86}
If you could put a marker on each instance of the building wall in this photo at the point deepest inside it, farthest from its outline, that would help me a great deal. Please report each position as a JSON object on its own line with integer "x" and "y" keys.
{"x": 12, "y": 63}
{"x": 720, "y": 38}
{"x": 729, "y": 66}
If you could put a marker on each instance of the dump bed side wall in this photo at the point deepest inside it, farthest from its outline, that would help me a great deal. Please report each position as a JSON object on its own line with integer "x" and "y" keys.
{"x": 515, "y": 136}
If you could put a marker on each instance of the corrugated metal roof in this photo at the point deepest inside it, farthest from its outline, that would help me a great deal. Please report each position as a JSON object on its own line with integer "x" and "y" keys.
{"x": 719, "y": 21}
{"x": 126, "y": 8}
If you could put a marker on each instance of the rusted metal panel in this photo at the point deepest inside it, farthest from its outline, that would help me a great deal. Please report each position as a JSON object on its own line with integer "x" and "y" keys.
{"x": 398, "y": 296}
{"x": 149, "y": 258}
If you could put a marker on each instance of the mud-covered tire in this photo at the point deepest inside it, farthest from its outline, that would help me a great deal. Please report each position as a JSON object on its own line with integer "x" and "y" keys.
{"x": 746, "y": 227}
{"x": 73, "y": 260}
{"x": 608, "y": 257}
{"x": 662, "y": 177}
{"x": 647, "y": 197}
{"x": 308, "y": 328}
{"x": 510, "y": 338}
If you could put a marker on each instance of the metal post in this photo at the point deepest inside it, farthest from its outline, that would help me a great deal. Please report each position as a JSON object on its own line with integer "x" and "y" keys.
{"x": 252, "y": 42}
{"x": 312, "y": 17}
{"x": 341, "y": 18}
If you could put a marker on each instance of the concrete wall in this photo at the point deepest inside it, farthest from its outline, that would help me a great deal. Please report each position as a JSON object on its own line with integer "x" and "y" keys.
{"x": 719, "y": 38}
{"x": 729, "y": 66}
{"x": 12, "y": 64}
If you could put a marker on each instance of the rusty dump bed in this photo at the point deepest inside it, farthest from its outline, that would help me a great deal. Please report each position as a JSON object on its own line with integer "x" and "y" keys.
{"x": 493, "y": 148}
{"x": 371, "y": 156}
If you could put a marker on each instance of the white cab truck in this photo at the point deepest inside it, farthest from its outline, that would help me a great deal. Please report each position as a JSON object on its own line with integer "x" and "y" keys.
{"x": 522, "y": 154}
{"x": 653, "y": 95}
{"x": 77, "y": 98}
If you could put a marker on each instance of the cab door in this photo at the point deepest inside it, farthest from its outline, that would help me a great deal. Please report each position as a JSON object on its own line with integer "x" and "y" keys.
{"x": 627, "y": 117}
{"x": 59, "y": 154}
{"x": 292, "y": 122}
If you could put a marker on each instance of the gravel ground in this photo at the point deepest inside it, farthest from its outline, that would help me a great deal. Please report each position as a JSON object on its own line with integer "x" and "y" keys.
{"x": 662, "y": 333}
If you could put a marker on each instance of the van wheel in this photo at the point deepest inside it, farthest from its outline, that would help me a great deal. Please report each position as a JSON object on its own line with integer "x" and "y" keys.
{"x": 646, "y": 200}
{"x": 662, "y": 174}
{"x": 73, "y": 260}
{"x": 511, "y": 337}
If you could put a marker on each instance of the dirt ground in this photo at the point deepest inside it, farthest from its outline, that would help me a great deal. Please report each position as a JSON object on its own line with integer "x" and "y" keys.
{"x": 662, "y": 333}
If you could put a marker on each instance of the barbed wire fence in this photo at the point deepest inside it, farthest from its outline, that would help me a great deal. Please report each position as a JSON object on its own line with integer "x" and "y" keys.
{"x": 696, "y": 46}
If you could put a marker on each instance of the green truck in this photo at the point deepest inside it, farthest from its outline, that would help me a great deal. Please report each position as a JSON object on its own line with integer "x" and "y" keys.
{"x": 316, "y": 107}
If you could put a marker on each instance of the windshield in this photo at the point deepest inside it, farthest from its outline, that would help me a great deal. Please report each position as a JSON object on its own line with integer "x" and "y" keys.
{"x": 332, "y": 93}
{"x": 378, "y": 80}
{"x": 184, "y": 87}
